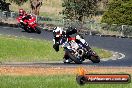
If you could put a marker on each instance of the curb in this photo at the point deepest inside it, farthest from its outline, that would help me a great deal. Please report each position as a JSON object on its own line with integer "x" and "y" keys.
{"x": 8, "y": 25}
{"x": 115, "y": 56}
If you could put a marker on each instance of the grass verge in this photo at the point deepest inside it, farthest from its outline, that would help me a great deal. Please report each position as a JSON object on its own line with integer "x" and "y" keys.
{"x": 57, "y": 81}
{"x": 25, "y": 50}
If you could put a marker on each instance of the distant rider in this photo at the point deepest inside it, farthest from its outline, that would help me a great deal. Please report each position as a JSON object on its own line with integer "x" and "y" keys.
{"x": 24, "y": 16}
{"x": 59, "y": 33}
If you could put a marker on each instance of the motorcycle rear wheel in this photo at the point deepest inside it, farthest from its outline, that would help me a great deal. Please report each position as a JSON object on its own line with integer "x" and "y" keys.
{"x": 95, "y": 59}
{"x": 38, "y": 30}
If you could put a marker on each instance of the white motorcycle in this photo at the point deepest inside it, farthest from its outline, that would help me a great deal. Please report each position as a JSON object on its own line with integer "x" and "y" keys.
{"x": 78, "y": 51}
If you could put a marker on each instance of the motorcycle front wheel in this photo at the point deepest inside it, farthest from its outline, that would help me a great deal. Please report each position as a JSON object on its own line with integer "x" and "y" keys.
{"x": 27, "y": 30}
{"x": 75, "y": 59}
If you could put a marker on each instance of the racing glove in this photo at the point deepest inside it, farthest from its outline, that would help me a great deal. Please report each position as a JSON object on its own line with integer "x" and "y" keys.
{"x": 56, "y": 47}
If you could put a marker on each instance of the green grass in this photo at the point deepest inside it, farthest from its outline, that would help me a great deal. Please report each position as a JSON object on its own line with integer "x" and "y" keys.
{"x": 22, "y": 49}
{"x": 62, "y": 81}
{"x": 102, "y": 53}
{"x": 54, "y": 23}
{"x": 46, "y": 14}
{"x": 26, "y": 50}
{"x": 51, "y": 15}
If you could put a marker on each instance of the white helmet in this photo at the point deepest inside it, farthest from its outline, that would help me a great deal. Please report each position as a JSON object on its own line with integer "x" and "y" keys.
{"x": 57, "y": 31}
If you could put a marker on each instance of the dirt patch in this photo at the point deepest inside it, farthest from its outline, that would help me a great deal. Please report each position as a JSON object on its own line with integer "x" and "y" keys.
{"x": 58, "y": 70}
{"x": 34, "y": 71}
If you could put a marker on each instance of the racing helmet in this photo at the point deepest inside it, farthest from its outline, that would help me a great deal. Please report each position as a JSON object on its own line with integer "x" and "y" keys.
{"x": 21, "y": 12}
{"x": 29, "y": 16}
{"x": 57, "y": 31}
{"x": 73, "y": 29}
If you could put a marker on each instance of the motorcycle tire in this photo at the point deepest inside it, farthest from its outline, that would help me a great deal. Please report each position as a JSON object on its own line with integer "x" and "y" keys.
{"x": 72, "y": 57}
{"x": 24, "y": 27}
{"x": 27, "y": 30}
{"x": 95, "y": 59}
{"x": 20, "y": 25}
{"x": 38, "y": 30}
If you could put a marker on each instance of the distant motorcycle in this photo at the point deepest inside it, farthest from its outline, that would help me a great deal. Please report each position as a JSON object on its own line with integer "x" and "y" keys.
{"x": 29, "y": 25}
{"x": 78, "y": 51}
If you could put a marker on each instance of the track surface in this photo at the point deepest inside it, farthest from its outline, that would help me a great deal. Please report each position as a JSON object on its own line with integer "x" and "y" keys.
{"x": 115, "y": 44}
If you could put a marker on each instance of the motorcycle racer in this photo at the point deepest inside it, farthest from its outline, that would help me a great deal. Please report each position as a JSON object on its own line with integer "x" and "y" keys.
{"x": 21, "y": 18}
{"x": 22, "y": 12}
{"x": 28, "y": 22}
{"x": 24, "y": 16}
{"x": 59, "y": 33}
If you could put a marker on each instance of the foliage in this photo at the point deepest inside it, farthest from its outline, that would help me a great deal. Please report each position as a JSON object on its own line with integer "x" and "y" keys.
{"x": 4, "y": 6}
{"x": 34, "y": 4}
{"x": 119, "y": 12}
{"x": 18, "y": 2}
{"x": 78, "y": 9}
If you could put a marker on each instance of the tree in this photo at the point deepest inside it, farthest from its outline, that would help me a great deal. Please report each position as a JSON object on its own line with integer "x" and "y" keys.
{"x": 34, "y": 4}
{"x": 119, "y": 12}
{"x": 18, "y": 2}
{"x": 4, "y": 6}
{"x": 78, "y": 9}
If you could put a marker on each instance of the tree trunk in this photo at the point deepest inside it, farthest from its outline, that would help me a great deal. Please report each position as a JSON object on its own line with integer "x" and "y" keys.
{"x": 80, "y": 18}
{"x": 35, "y": 6}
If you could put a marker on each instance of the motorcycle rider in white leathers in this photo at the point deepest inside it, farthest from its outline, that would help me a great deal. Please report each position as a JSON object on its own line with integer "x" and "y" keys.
{"x": 58, "y": 33}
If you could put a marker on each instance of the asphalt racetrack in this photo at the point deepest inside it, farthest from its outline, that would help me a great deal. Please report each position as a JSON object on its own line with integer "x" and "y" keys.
{"x": 121, "y": 45}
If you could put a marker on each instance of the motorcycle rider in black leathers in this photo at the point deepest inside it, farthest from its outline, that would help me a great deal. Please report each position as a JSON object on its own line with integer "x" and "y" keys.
{"x": 58, "y": 33}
